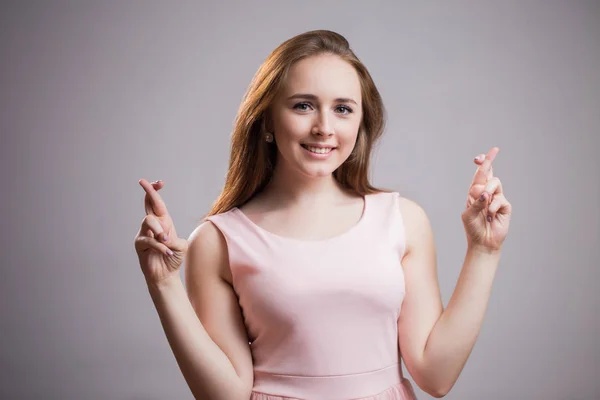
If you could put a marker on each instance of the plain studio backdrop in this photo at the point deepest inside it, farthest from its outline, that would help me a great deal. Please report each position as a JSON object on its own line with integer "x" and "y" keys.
{"x": 98, "y": 94}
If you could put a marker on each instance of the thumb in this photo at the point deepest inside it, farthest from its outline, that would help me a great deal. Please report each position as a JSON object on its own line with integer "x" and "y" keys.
{"x": 479, "y": 204}
{"x": 178, "y": 244}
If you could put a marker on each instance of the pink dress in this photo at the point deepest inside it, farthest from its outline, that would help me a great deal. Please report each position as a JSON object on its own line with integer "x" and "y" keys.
{"x": 322, "y": 316}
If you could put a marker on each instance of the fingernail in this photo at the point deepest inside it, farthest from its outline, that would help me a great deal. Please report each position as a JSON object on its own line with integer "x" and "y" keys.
{"x": 482, "y": 197}
{"x": 169, "y": 252}
{"x": 489, "y": 218}
{"x": 165, "y": 237}
{"x": 478, "y": 158}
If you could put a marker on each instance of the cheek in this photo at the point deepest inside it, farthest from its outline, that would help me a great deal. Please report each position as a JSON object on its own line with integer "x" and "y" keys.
{"x": 292, "y": 127}
{"x": 348, "y": 132}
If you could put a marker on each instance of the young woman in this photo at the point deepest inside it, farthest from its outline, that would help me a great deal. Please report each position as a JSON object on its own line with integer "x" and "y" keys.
{"x": 304, "y": 281}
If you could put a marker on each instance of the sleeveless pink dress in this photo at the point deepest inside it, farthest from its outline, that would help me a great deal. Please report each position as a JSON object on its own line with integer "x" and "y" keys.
{"x": 322, "y": 316}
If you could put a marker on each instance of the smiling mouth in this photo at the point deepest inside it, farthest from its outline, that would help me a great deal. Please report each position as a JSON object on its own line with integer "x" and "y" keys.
{"x": 318, "y": 150}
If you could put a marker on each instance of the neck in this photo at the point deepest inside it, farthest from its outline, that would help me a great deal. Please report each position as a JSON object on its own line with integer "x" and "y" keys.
{"x": 292, "y": 187}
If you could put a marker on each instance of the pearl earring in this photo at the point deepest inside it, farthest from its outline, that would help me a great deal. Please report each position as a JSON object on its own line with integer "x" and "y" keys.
{"x": 269, "y": 137}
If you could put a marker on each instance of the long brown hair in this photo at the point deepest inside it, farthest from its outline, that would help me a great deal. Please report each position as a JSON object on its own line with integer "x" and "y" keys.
{"x": 252, "y": 159}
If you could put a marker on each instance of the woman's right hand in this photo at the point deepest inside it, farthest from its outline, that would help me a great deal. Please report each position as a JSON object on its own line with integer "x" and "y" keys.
{"x": 159, "y": 250}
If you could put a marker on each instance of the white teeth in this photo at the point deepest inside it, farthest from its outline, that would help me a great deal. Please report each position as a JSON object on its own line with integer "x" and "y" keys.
{"x": 318, "y": 150}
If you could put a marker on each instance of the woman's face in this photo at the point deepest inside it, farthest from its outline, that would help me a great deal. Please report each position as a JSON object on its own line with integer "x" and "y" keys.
{"x": 316, "y": 116}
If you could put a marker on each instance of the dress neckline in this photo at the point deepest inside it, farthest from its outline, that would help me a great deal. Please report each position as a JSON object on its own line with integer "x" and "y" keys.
{"x": 339, "y": 236}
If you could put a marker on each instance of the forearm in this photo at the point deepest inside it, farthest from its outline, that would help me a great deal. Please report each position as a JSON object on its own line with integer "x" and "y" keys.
{"x": 206, "y": 369}
{"x": 454, "y": 334}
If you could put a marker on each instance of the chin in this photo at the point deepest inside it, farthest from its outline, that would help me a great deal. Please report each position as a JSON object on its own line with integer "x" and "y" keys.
{"x": 318, "y": 171}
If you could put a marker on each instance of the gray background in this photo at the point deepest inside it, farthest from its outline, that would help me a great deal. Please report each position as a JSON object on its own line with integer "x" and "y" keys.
{"x": 96, "y": 95}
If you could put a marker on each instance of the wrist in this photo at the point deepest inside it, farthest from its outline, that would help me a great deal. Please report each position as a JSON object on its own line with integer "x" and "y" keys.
{"x": 164, "y": 284}
{"x": 483, "y": 250}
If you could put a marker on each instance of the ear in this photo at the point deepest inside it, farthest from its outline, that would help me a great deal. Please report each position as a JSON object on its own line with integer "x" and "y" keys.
{"x": 267, "y": 121}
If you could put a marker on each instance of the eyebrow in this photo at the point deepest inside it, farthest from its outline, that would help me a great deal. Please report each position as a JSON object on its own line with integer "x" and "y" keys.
{"x": 313, "y": 97}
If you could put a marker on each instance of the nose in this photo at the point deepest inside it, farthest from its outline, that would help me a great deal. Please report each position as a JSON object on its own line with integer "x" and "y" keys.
{"x": 323, "y": 125}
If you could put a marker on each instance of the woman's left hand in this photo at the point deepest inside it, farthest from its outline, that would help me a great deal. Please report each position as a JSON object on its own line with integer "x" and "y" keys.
{"x": 487, "y": 215}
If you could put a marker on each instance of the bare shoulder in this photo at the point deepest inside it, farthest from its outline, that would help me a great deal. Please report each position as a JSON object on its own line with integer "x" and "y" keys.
{"x": 416, "y": 221}
{"x": 208, "y": 247}
{"x": 412, "y": 212}
{"x": 205, "y": 234}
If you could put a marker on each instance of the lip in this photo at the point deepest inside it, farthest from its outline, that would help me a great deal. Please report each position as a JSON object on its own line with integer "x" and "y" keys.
{"x": 318, "y": 156}
{"x": 319, "y": 145}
